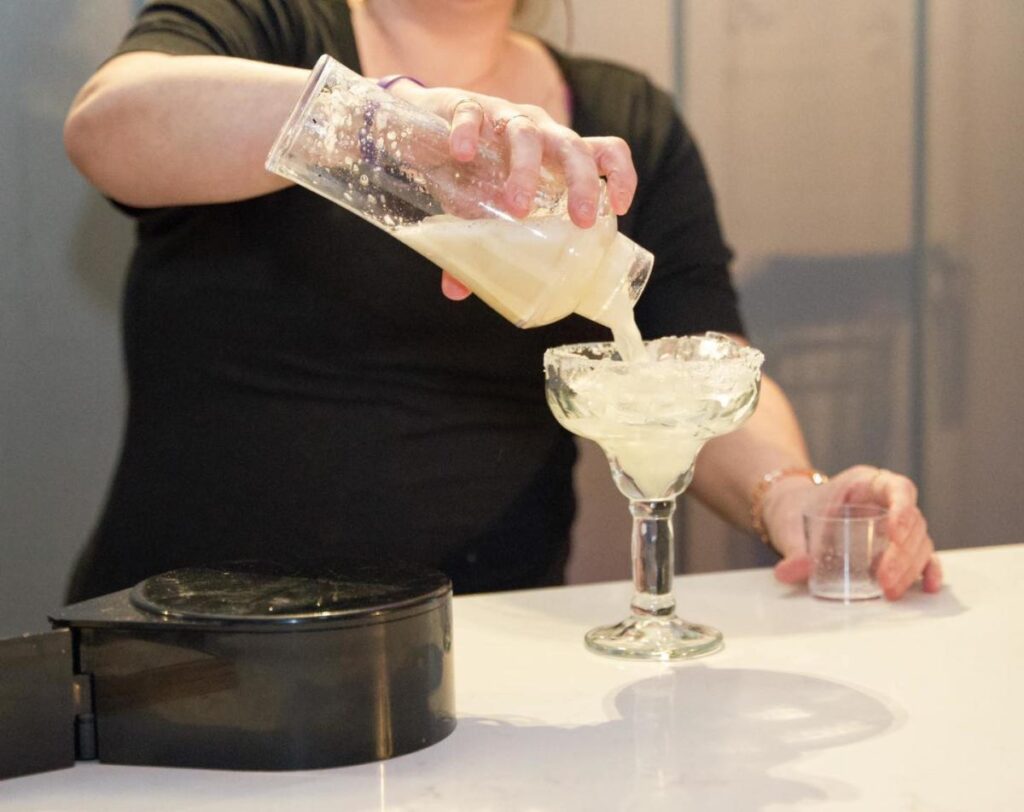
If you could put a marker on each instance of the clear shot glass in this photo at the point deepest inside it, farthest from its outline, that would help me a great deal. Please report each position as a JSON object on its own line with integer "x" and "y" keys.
{"x": 845, "y": 544}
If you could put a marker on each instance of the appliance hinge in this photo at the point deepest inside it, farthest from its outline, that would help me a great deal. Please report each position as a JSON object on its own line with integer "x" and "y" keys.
{"x": 85, "y": 718}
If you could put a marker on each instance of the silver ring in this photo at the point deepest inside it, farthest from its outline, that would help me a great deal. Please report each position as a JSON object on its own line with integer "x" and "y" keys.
{"x": 466, "y": 100}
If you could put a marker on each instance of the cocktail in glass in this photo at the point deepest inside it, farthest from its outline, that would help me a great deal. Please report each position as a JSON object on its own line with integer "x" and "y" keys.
{"x": 651, "y": 418}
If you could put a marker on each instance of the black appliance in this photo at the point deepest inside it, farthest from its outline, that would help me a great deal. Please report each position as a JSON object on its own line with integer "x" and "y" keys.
{"x": 239, "y": 667}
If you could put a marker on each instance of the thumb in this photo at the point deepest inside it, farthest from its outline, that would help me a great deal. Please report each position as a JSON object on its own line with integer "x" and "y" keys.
{"x": 793, "y": 569}
{"x": 453, "y": 289}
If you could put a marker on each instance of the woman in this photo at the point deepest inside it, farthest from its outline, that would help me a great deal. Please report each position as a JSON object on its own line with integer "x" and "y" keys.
{"x": 298, "y": 388}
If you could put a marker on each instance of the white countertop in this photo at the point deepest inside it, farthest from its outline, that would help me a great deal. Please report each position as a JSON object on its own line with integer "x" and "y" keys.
{"x": 917, "y": 705}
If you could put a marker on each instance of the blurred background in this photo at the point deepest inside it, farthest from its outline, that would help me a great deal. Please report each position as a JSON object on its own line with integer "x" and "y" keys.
{"x": 868, "y": 158}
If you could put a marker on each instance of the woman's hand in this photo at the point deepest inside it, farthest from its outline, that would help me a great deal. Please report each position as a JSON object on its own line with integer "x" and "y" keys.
{"x": 910, "y": 553}
{"x": 534, "y": 138}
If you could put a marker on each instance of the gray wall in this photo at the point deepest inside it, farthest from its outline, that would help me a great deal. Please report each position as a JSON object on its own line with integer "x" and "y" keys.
{"x": 805, "y": 111}
{"x": 868, "y": 159}
{"x": 62, "y": 251}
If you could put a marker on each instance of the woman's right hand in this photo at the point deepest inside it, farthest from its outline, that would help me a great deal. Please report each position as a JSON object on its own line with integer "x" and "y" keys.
{"x": 534, "y": 138}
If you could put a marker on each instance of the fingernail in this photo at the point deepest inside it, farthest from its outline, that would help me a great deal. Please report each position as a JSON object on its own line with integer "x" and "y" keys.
{"x": 522, "y": 201}
{"x": 585, "y": 210}
{"x": 462, "y": 146}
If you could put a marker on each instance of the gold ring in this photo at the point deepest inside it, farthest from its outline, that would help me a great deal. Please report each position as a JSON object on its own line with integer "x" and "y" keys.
{"x": 466, "y": 100}
{"x": 501, "y": 124}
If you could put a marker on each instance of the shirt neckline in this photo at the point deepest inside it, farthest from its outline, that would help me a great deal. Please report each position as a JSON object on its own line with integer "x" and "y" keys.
{"x": 349, "y": 56}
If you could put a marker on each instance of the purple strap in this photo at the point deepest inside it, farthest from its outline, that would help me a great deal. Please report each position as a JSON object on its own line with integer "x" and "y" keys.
{"x": 367, "y": 147}
{"x": 387, "y": 81}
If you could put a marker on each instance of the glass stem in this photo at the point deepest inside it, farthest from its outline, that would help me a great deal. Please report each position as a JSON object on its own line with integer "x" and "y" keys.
{"x": 653, "y": 555}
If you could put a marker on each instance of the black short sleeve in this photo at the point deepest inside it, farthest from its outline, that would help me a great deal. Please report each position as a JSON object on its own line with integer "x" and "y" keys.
{"x": 676, "y": 219}
{"x": 265, "y": 30}
{"x": 690, "y": 290}
{"x": 673, "y": 215}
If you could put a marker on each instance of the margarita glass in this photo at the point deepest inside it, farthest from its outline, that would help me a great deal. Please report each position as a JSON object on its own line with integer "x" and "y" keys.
{"x": 651, "y": 418}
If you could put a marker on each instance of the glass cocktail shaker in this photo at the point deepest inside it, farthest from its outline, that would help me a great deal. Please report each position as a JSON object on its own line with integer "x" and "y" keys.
{"x": 390, "y": 163}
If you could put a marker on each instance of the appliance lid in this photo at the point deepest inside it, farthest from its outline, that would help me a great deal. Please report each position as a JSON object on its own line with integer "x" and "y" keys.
{"x": 261, "y": 593}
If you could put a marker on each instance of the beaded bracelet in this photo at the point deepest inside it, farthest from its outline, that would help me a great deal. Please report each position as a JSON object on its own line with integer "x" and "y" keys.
{"x": 762, "y": 487}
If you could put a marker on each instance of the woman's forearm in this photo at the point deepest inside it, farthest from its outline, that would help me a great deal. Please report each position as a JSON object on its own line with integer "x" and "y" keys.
{"x": 150, "y": 129}
{"x": 729, "y": 467}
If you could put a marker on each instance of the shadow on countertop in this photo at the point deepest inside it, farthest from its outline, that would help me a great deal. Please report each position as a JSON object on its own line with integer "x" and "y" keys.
{"x": 690, "y": 739}
{"x": 696, "y": 738}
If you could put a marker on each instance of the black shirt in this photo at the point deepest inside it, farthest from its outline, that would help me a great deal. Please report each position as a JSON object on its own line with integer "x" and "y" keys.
{"x": 299, "y": 388}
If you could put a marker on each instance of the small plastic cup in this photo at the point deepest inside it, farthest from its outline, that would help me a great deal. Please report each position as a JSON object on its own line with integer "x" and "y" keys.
{"x": 845, "y": 544}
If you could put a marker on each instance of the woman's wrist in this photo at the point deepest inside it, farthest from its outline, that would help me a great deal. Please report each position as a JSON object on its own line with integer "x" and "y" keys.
{"x": 774, "y": 491}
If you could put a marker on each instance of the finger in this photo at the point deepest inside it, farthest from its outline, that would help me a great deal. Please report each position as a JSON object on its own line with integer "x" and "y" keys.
{"x": 905, "y": 579}
{"x": 453, "y": 289}
{"x": 526, "y": 149}
{"x": 580, "y": 174}
{"x": 909, "y": 545}
{"x": 920, "y": 555}
{"x": 905, "y": 543}
{"x": 895, "y": 491}
{"x": 903, "y": 534}
{"x": 917, "y": 567}
{"x": 908, "y": 561}
{"x": 857, "y": 483}
{"x": 793, "y": 570}
{"x": 615, "y": 163}
{"x": 932, "y": 575}
{"x": 467, "y": 117}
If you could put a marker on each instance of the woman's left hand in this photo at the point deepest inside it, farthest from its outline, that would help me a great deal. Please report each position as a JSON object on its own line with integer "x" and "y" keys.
{"x": 910, "y": 553}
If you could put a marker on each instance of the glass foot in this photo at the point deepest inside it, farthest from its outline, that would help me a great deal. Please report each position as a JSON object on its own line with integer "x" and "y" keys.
{"x": 648, "y": 637}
